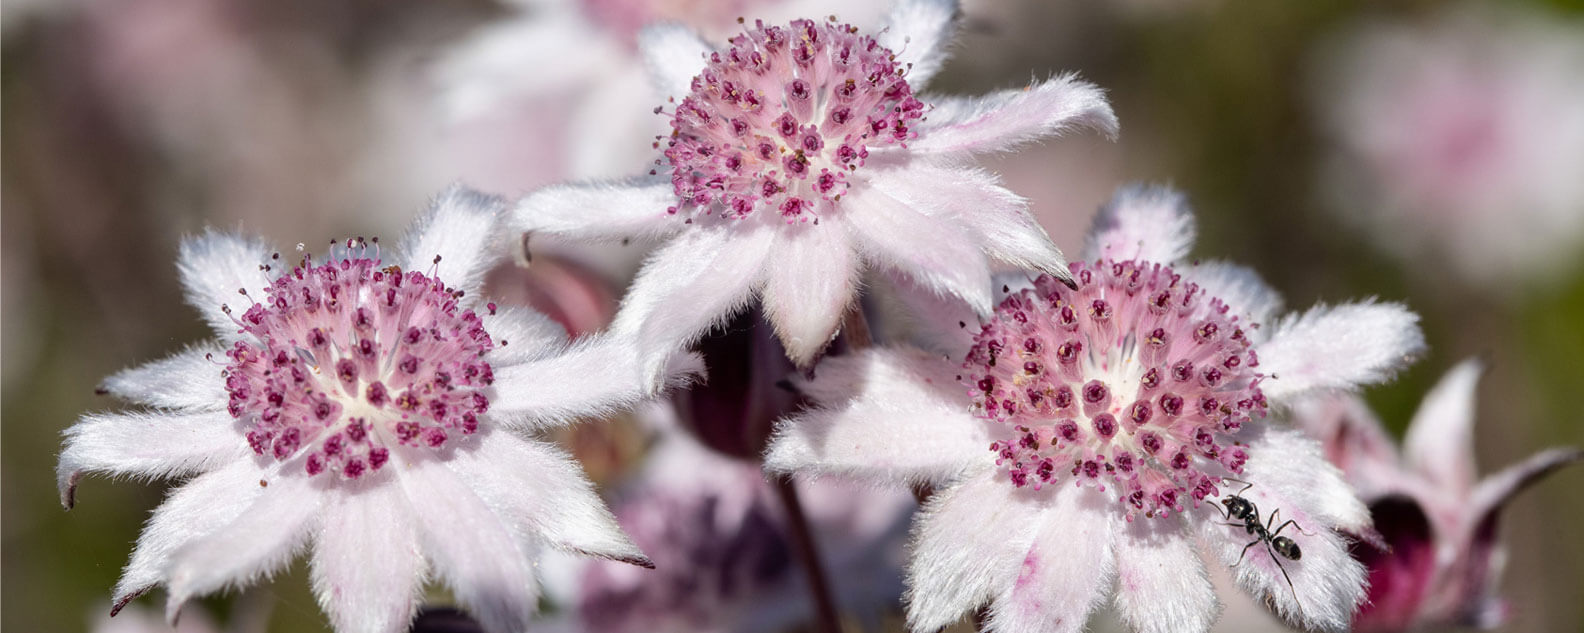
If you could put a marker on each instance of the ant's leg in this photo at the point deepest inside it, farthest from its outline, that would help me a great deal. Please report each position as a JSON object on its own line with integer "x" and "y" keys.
{"x": 1284, "y": 526}
{"x": 1274, "y": 513}
{"x": 1245, "y": 552}
{"x": 1283, "y": 569}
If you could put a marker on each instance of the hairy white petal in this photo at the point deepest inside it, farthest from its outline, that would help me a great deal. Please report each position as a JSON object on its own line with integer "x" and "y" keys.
{"x": 1440, "y": 439}
{"x": 1243, "y": 291}
{"x": 1292, "y": 482}
{"x": 367, "y": 568}
{"x": 522, "y": 335}
{"x": 611, "y": 211}
{"x": 196, "y": 509}
{"x": 189, "y": 379}
{"x": 604, "y": 126}
{"x": 149, "y": 445}
{"x": 1339, "y": 347}
{"x": 887, "y": 414}
{"x": 1067, "y": 569}
{"x": 690, "y": 285}
{"x": 469, "y": 546}
{"x": 969, "y": 542}
{"x": 261, "y": 539}
{"x": 598, "y": 376}
{"x": 976, "y": 199}
{"x": 810, "y": 279}
{"x": 460, "y": 230}
{"x": 909, "y": 312}
{"x": 1154, "y": 224}
{"x": 543, "y": 492}
{"x": 673, "y": 54}
{"x": 485, "y": 70}
{"x": 1003, "y": 120}
{"x": 213, "y": 267}
{"x": 1162, "y": 586}
{"x": 919, "y": 32}
{"x": 938, "y": 253}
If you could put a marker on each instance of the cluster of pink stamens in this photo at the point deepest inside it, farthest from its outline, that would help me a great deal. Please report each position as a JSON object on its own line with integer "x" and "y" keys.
{"x": 346, "y": 358}
{"x": 1136, "y": 378}
{"x": 780, "y": 119}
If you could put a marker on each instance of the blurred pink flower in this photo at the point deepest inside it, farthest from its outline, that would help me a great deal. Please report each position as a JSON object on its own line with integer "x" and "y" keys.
{"x": 558, "y": 89}
{"x": 724, "y": 560}
{"x": 1461, "y": 137}
{"x": 1438, "y": 518}
{"x": 365, "y": 407}
{"x": 1111, "y": 413}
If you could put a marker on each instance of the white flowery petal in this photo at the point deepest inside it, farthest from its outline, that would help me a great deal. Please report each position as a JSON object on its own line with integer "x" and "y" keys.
{"x": 261, "y": 539}
{"x": 455, "y": 238}
{"x": 976, "y": 199}
{"x": 147, "y": 445}
{"x": 470, "y": 547}
{"x": 690, "y": 285}
{"x": 543, "y": 492}
{"x": 1291, "y": 482}
{"x": 1440, "y": 441}
{"x": 962, "y": 126}
{"x": 673, "y": 54}
{"x": 810, "y": 279}
{"x": 969, "y": 541}
{"x": 187, "y": 380}
{"x": 367, "y": 568}
{"x": 602, "y": 211}
{"x": 486, "y": 69}
{"x": 194, "y": 510}
{"x": 936, "y": 252}
{"x": 522, "y": 335}
{"x": 919, "y": 32}
{"x": 1339, "y": 347}
{"x": 1242, "y": 289}
{"x": 604, "y": 126}
{"x": 596, "y": 377}
{"x": 1495, "y": 490}
{"x": 1162, "y": 585}
{"x": 213, "y": 267}
{"x": 887, "y": 415}
{"x": 1067, "y": 569}
{"x": 1152, "y": 224}
{"x": 939, "y": 323}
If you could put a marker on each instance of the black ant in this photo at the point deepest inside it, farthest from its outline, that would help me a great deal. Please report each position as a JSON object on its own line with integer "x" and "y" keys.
{"x": 1279, "y": 547}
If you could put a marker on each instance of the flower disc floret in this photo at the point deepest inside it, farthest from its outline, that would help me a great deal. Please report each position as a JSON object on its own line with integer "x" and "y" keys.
{"x": 1136, "y": 378}
{"x": 346, "y": 358}
{"x": 783, "y": 117}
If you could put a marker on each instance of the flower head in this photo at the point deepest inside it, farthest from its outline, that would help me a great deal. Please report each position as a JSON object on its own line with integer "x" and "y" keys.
{"x": 1436, "y": 566}
{"x": 801, "y": 155}
{"x": 368, "y": 407}
{"x": 1122, "y": 420}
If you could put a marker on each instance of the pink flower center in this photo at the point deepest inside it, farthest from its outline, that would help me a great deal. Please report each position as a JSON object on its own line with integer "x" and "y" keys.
{"x": 782, "y": 118}
{"x": 347, "y": 359}
{"x": 1136, "y": 378}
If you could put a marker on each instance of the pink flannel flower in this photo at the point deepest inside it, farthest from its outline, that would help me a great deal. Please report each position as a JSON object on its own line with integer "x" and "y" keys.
{"x": 1091, "y": 435}
{"x": 802, "y": 154}
{"x": 369, "y": 409}
{"x": 1438, "y": 519}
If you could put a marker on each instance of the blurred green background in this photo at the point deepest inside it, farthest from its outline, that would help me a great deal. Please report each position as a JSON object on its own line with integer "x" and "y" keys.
{"x": 1214, "y": 98}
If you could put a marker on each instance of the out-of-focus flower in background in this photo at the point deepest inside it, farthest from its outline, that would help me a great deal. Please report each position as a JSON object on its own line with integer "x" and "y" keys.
{"x": 1461, "y": 137}
{"x": 1437, "y": 517}
{"x": 724, "y": 556}
{"x": 557, "y": 89}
